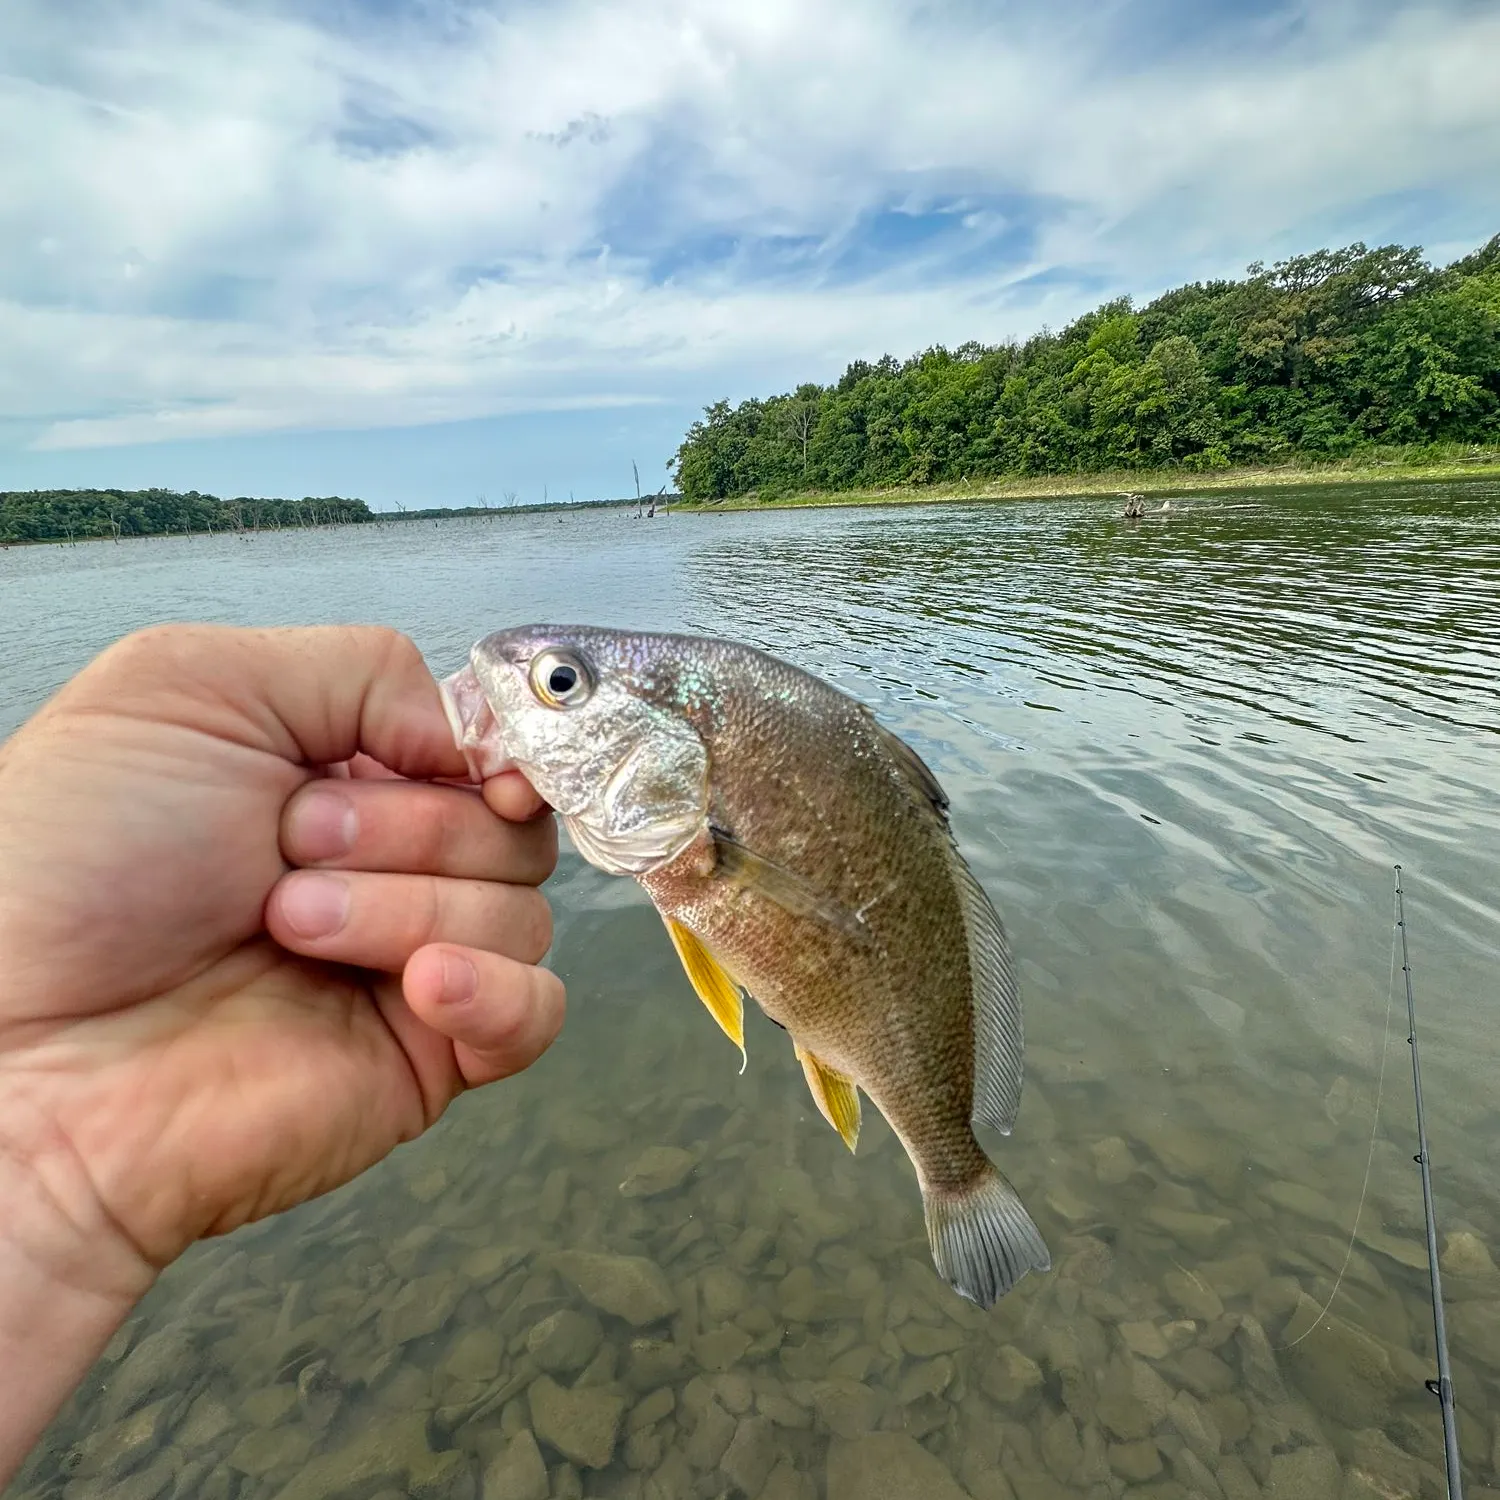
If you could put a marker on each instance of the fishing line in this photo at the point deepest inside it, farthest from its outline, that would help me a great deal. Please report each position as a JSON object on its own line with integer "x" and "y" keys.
{"x": 1385, "y": 1042}
{"x": 1442, "y": 1387}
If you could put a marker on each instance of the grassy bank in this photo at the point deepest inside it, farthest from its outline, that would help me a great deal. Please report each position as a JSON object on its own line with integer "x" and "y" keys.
{"x": 1482, "y": 464}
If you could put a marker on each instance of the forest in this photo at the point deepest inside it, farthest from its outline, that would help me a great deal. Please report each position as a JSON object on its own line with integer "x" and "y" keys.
{"x": 1318, "y": 357}
{"x": 75, "y": 515}
{"x": 80, "y": 515}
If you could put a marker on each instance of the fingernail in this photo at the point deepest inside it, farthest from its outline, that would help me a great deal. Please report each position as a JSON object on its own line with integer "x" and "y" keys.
{"x": 459, "y": 980}
{"x": 324, "y": 825}
{"x": 315, "y": 906}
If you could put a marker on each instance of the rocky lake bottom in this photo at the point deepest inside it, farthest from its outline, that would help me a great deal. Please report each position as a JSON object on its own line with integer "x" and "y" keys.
{"x": 698, "y": 1296}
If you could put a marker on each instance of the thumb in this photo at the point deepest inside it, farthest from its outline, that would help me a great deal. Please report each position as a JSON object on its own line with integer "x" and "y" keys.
{"x": 500, "y": 1015}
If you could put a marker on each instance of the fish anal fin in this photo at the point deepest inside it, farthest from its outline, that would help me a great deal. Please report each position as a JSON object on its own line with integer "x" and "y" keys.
{"x": 718, "y": 992}
{"x": 835, "y": 1094}
{"x": 997, "y": 1006}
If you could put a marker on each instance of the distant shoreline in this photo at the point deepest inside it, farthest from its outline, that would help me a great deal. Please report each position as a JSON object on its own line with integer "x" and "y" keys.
{"x": 1164, "y": 483}
{"x": 379, "y": 518}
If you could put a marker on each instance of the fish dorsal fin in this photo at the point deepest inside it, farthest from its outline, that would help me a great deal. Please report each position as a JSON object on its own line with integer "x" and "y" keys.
{"x": 834, "y": 1093}
{"x": 715, "y": 988}
{"x": 915, "y": 769}
{"x": 789, "y": 891}
{"x": 997, "y": 1005}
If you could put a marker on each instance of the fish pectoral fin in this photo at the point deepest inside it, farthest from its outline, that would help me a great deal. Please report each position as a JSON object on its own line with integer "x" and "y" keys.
{"x": 736, "y": 862}
{"x": 715, "y": 988}
{"x": 835, "y": 1094}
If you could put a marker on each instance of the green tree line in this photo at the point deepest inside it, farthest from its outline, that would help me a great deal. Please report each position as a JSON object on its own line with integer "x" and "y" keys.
{"x": 1316, "y": 357}
{"x": 73, "y": 515}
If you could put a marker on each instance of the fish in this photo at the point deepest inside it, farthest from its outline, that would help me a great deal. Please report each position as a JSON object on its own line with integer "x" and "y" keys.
{"x": 801, "y": 856}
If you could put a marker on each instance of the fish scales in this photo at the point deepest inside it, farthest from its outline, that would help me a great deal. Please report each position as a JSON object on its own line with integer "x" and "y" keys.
{"x": 841, "y": 814}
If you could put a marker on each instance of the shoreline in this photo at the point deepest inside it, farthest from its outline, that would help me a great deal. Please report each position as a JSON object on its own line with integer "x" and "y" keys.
{"x": 1165, "y": 483}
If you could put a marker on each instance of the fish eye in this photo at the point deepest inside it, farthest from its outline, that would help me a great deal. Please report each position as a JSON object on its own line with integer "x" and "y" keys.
{"x": 560, "y": 679}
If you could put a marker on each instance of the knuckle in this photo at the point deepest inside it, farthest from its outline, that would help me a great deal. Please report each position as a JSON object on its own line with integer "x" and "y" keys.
{"x": 397, "y": 650}
{"x": 147, "y": 646}
{"x": 428, "y": 912}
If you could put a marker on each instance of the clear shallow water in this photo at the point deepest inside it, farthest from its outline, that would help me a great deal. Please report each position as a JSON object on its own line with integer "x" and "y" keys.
{"x": 1183, "y": 756}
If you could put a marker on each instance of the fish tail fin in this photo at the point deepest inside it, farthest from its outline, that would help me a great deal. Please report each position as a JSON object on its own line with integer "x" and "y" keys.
{"x": 983, "y": 1240}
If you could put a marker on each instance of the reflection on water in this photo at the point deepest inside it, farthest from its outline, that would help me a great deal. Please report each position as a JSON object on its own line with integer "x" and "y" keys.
{"x": 1183, "y": 755}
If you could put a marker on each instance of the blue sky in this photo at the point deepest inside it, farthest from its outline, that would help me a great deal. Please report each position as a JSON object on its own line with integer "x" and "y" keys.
{"x": 420, "y": 250}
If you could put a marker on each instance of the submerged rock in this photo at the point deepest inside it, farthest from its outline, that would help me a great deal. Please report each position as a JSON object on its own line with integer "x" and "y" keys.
{"x": 751, "y": 1454}
{"x": 476, "y": 1355}
{"x": 1465, "y": 1254}
{"x": 1235, "y": 1275}
{"x": 656, "y": 1170}
{"x": 710, "y": 1437}
{"x": 930, "y": 1378}
{"x": 1133, "y": 1398}
{"x": 1061, "y": 1451}
{"x": 564, "y": 1342}
{"x": 653, "y": 1362}
{"x": 1010, "y": 1377}
{"x": 516, "y": 1472}
{"x": 1137, "y": 1461}
{"x": 207, "y": 1420}
{"x": 1305, "y": 1474}
{"x": 389, "y": 1452}
{"x": 722, "y": 1348}
{"x": 888, "y": 1466}
{"x": 581, "y": 1424}
{"x": 155, "y": 1367}
{"x": 723, "y": 1292}
{"x": 1113, "y": 1161}
{"x": 157, "y": 1480}
{"x": 1196, "y": 1477}
{"x": 1308, "y": 1203}
{"x": 125, "y": 1445}
{"x": 924, "y": 1342}
{"x": 1343, "y": 1372}
{"x": 267, "y": 1449}
{"x": 1235, "y": 1479}
{"x": 1195, "y": 1426}
{"x": 1192, "y": 1295}
{"x": 628, "y": 1286}
{"x": 847, "y": 1407}
{"x": 1145, "y": 1339}
{"x": 786, "y": 1483}
{"x": 319, "y": 1394}
{"x": 419, "y": 1308}
{"x": 1202, "y": 1233}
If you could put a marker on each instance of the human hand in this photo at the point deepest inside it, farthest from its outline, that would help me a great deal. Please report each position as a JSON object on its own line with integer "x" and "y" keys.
{"x": 233, "y": 980}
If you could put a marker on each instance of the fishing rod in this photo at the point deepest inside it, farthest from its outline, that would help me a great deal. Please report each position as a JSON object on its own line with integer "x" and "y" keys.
{"x": 1442, "y": 1387}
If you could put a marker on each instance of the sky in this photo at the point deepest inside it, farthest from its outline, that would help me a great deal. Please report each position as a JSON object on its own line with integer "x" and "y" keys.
{"x": 424, "y": 250}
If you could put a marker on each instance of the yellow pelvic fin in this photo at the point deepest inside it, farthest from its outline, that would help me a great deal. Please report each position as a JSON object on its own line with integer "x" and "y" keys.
{"x": 715, "y": 988}
{"x": 836, "y": 1096}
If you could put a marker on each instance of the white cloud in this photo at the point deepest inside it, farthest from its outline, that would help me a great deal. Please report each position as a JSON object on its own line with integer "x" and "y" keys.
{"x": 222, "y": 219}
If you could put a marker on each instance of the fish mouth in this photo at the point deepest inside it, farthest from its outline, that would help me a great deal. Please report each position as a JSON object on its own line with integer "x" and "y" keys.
{"x": 476, "y": 730}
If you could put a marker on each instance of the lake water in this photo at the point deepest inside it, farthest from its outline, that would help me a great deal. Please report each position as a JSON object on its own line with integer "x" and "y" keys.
{"x": 1183, "y": 755}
